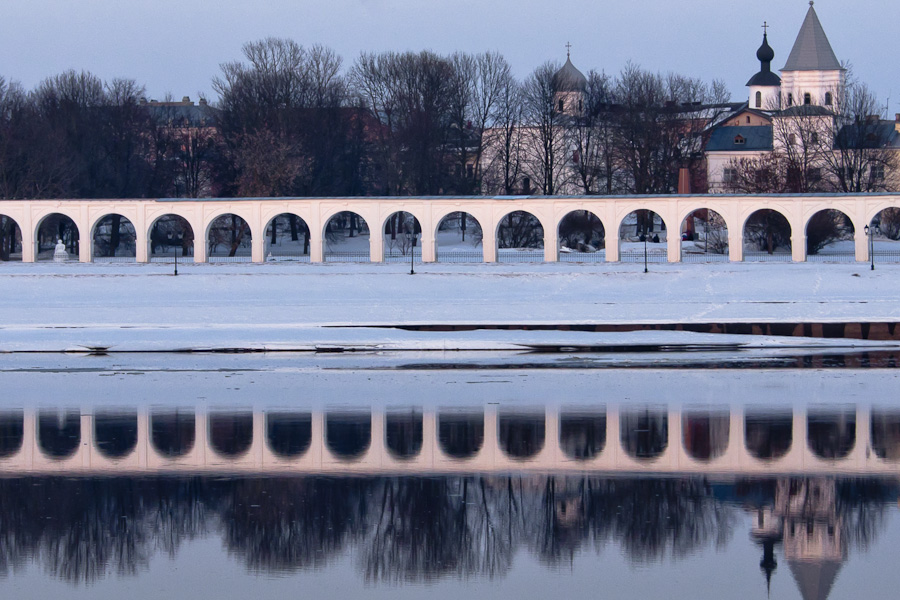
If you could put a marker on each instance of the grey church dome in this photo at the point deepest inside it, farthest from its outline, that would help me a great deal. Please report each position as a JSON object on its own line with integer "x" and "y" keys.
{"x": 569, "y": 79}
{"x": 765, "y": 77}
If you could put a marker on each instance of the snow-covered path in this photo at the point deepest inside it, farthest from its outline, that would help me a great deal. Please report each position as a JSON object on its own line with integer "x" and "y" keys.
{"x": 243, "y": 302}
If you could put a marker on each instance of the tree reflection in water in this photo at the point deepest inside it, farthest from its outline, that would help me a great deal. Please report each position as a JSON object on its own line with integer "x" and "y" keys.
{"x": 59, "y": 433}
{"x": 349, "y": 434}
{"x": 886, "y": 434}
{"x": 767, "y": 434}
{"x": 460, "y": 435}
{"x": 173, "y": 432}
{"x": 705, "y": 434}
{"x": 831, "y": 432}
{"x": 12, "y": 432}
{"x": 231, "y": 433}
{"x": 115, "y": 433}
{"x": 582, "y": 435}
{"x": 403, "y": 433}
{"x": 399, "y": 528}
{"x": 645, "y": 433}
{"x": 289, "y": 434}
{"x": 522, "y": 434}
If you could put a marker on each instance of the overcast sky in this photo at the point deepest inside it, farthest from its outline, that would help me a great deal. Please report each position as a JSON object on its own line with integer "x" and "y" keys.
{"x": 176, "y": 46}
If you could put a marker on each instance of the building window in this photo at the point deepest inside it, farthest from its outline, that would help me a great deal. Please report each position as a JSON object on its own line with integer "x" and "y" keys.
{"x": 730, "y": 175}
{"x": 807, "y": 99}
{"x": 580, "y": 106}
{"x": 748, "y": 119}
{"x": 790, "y": 99}
{"x": 562, "y": 105}
{"x": 814, "y": 138}
{"x": 829, "y": 99}
{"x": 792, "y": 139}
{"x": 877, "y": 173}
{"x": 526, "y": 185}
{"x": 739, "y": 140}
{"x": 758, "y": 99}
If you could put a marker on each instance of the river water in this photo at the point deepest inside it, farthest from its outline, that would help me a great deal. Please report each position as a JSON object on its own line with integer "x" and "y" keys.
{"x": 400, "y": 476}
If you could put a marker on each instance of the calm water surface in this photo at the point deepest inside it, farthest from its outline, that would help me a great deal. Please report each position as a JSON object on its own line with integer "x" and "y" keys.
{"x": 235, "y": 477}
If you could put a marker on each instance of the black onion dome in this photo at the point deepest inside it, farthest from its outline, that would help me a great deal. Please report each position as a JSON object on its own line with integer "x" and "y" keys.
{"x": 765, "y": 52}
{"x": 569, "y": 79}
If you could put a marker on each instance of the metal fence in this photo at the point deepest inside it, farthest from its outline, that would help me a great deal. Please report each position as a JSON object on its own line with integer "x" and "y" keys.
{"x": 114, "y": 259}
{"x": 887, "y": 256}
{"x": 520, "y": 256}
{"x": 460, "y": 257}
{"x": 703, "y": 257}
{"x": 347, "y": 257}
{"x": 842, "y": 256}
{"x": 583, "y": 257}
{"x": 637, "y": 256}
{"x": 395, "y": 256}
{"x": 245, "y": 258}
{"x": 766, "y": 257}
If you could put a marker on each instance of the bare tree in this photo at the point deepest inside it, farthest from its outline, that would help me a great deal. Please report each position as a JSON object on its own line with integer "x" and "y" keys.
{"x": 545, "y": 132}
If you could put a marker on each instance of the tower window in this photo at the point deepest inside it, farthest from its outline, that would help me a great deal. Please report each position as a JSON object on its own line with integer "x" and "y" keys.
{"x": 790, "y": 99}
{"x": 758, "y": 99}
{"x": 807, "y": 99}
{"x": 562, "y": 105}
{"x": 829, "y": 99}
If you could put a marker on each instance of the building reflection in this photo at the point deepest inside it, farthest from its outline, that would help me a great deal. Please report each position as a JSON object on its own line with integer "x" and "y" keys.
{"x": 12, "y": 432}
{"x": 348, "y": 434}
{"x": 289, "y": 434}
{"x": 768, "y": 434}
{"x": 645, "y": 432}
{"x": 461, "y": 434}
{"x": 417, "y": 529}
{"x": 172, "y": 432}
{"x": 582, "y": 434}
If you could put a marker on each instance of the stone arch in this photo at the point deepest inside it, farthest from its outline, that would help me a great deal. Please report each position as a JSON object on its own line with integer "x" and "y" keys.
{"x": 520, "y": 237}
{"x": 582, "y": 435}
{"x": 113, "y": 239}
{"x": 766, "y": 236}
{"x": 768, "y": 434}
{"x": 886, "y": 434}
{"x": 348, "y": 435}
{"x": 402, "y": 234}
{"x": 12, "y": 432}
{"x": 522, "y": 434}
{"x": 53, "y": 227}
{"x": 830, "y": 236}
{"x": 831, "y": 432}
{"x": 289, "y": 434}
{"x": 229, "y": 238}
{"x": 458, "y": 238}
{"x": 704, "y": 236}
{"x": 59, "y": 432}
{"x": 170, "y": 234}
{"x": 460, "y": 434}
{"x": 644, "y": 432}
{"x": 346, "y": 234}
{"x": 642, "y": 229}
{"x": 231, "y": 433}
{"x": 403, "y": 433}
{"x": 705, "y": 433}
{"x": 173, "y": 432}
{"x": 884, "y": 229}
{"x": 582, "y": 237}
{"x": 10, "y": 239}
{"x": 115, "y": 433}
{"x": 287, "y": 238}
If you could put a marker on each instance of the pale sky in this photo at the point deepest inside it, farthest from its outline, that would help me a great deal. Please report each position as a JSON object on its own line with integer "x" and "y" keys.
{"x": 176, "y": 46}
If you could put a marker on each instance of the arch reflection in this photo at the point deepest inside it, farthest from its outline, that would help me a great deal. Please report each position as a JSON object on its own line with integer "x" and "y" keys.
{"x": 582, "y": 436}
{"x": 348, "y": 435}
{"x": 768, "y": 435}
{"x": 115, "y": 433}
{"x": 289, "y": 434}
{"x": 59, "y": 433}
{"x": 831, "y": 432}
{"x": 403, "y": 432}
{"x": 12, "y": 432}
{"x": 461, "y": 435}
{"x": 231, "y": 434}
{"x": 886, "y": 434}
{"x": 645, "y": 433}
{"x": 172, "y": 433}
{"x": 705, "y": 434}
{"x": 522, "y": 434}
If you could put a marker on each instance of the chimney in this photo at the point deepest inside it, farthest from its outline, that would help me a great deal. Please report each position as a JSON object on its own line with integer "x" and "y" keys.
{"x": 203, "y": 102}
{"x": 684, "y": 181}
{"x": 187, "y": 100}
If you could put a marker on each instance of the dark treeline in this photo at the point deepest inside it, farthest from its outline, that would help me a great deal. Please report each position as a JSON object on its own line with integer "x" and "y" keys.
{"x": 296, "y": 121}
{"x": 400, "y": 529}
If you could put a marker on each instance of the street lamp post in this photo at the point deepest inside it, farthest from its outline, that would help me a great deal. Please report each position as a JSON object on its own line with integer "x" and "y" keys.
{"x": 411, "y": 238}
{"x": 870, "y": 233}
{"x": 644, "y": 239}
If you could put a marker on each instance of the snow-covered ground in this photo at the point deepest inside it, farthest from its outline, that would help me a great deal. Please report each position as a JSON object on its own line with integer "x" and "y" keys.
{"x": 58, "y": 306}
